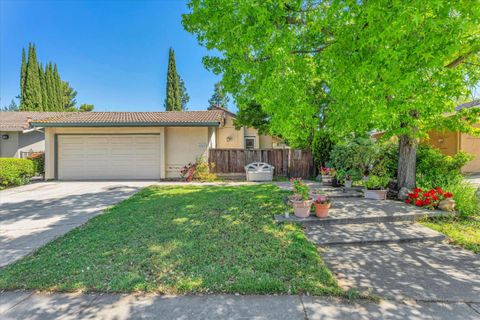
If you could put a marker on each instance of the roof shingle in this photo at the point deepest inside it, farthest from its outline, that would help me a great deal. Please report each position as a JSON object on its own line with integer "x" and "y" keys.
{"x": 18, "y": 120}
{"x": 181, "y": 118}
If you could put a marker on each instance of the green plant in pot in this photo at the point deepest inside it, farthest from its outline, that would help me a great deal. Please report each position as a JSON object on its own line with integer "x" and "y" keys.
{"x": 376, "y": 187}
{"x": 301, "y": 200}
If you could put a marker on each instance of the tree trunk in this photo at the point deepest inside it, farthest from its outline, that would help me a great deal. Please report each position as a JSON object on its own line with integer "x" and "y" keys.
{"x": 407, "y": 161}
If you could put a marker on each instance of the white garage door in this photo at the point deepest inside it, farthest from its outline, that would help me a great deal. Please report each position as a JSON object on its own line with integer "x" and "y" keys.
{"x": 86, "y": 157}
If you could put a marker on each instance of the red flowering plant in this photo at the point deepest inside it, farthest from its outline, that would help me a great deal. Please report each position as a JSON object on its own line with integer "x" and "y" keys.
{"x": 188, "y": 171}
{"x": 428, "y": 199}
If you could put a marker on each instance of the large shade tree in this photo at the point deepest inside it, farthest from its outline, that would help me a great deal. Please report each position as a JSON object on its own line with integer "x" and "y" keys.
{"x": 394, "y": 66}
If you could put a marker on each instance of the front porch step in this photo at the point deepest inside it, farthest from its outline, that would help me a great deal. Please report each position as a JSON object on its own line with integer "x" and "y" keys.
{"x": 360, "y": 211}
{"x": 370, "y": 233}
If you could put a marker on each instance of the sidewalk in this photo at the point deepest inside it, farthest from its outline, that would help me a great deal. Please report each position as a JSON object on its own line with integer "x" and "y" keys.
{"x": 26, "y": 305}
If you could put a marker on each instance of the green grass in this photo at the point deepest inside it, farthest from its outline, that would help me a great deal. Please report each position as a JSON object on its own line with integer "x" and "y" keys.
{"x": 204, "y": 239}
{"x": 463, "y": 232}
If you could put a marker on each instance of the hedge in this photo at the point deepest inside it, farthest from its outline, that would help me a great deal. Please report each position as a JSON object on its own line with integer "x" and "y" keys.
{"x": 15, "y": 172}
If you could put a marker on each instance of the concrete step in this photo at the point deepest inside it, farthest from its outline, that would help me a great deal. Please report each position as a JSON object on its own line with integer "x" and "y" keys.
{"x": 361, "y": 210}
{"x": 370, "y": 233}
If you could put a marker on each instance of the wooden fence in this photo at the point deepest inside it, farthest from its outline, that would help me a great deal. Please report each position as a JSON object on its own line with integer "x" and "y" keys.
{"x": 287, "y": 162}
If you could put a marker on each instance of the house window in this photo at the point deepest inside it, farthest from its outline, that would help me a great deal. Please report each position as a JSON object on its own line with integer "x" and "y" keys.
{"x": 249, "y": 143}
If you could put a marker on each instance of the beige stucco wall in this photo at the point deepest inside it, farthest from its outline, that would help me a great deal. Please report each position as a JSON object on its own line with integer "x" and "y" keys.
{"x": 9, "y": 147}
{"x": 229, "y": 138}
{"x": 31, "y": 141}
{"x": 183, "y": 145}
{"x": 446, "y": 141}
{"x": 471, "y": 145}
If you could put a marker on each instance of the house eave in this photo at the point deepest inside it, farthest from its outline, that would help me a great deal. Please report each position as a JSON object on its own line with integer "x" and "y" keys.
{"x": 125, "y": 124}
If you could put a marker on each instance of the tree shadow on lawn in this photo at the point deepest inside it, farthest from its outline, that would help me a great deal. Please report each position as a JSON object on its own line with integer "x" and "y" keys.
{"x": 187, "y": 239}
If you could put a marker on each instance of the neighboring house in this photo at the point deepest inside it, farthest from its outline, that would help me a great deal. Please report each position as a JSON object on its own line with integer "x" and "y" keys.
{"x": 244, "y": 138}
{"x": 17, "y": 139}
{"x": 136, "y": 145}
{"x": 452, "y": 142}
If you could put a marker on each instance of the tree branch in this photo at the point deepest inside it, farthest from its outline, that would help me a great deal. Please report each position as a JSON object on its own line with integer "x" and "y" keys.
{"x": 461, "y": 59}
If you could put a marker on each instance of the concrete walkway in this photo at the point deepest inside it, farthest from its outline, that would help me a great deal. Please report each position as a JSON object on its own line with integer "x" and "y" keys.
{"x": 25, "y": 305}
{"x": 34, "y": 214}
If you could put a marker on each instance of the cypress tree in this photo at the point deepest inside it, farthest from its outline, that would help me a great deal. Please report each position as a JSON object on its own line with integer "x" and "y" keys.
{"x": 172, "y": 101}
{"x": 43, "y": 86}
{"x": 49, "y": 86}
{"x": 23, "y": 73}
{"x": 58, "y": 89}
{"x": 33, "y": 92}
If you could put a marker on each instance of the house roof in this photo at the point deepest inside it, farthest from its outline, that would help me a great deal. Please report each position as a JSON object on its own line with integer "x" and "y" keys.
{"x": 19, "y": 120}
{"x": 216, "y": 107}
{"x": 467, "y": 105}
{"x": 133, "y": 119}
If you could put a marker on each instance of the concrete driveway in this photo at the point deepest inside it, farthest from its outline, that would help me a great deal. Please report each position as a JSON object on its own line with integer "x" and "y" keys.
{"x": 32, "y": 215}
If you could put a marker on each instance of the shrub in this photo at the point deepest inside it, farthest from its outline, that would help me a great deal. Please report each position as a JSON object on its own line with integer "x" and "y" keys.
{"x": 321, "y": 148}
{"x": 15, "y": 172}
{"x": 38, "y": 159}
{"x": 300, "y": 188}
{"x": 465, "y": 196}
{"x": 376, "y": 182}
{"x": 437, "y": 170}
{"x": 199, "y": 171}
{"x": 362, "y": 156}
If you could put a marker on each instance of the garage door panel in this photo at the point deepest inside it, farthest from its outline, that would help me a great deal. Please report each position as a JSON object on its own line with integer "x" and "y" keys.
{"x": 108, "y": 157}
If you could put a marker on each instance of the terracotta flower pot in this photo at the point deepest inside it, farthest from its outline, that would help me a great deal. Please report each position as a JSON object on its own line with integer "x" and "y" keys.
{"x": 301, "y": 208}
{"x": 376, "y": 194}
{"x": 321, "y": 209}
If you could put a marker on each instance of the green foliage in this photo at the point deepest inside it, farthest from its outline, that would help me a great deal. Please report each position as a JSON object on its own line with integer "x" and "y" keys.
{"x": 322, "y": 147}
{"x": 38, "y": 162}
{"x": 86, "y": 107}
{"x": 437, "y": 170}
{"x": 33, "y": 92}
{"x": 376, "y": 182}
{"x": 11, "y": 107}
{"x": 14, "y": 171}
{"x": 252, "y": 116}
{"x": 184, "y": 97}
{"x": 463, "y": 232}
{"x": 300, "y": 188}
{"x": 353, "y": 66}
{"x": 179, "y": 240}
{"x": 172, "y": 100}
{"x": 219, "y": 97}
{"x": 358, "y": 154}
{"x": 465, "y": 196}
{"x": 41, "y": 89}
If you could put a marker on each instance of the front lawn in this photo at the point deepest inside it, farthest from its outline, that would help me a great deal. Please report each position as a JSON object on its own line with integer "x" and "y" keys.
{"x": 464, "y": 232}
{"x": 188, "y": 239}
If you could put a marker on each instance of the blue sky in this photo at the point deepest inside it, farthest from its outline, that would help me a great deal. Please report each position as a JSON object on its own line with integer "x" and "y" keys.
{"x": 114, "y": 53}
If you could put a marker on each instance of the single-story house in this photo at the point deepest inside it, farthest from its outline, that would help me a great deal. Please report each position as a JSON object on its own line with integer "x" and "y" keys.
{"x": 136, "y": 145}
{"x": 17, "y": 138}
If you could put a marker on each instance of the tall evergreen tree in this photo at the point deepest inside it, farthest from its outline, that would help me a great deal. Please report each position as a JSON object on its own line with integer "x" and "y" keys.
{"x": 23, "y": 74}
{"x": 184, "y": 97}
{"x": 172, "y": 101}
{"x": 69, "y": 95}
{"x": 43, "y": 88}
{"x": 32, "y": 88}
{"x": 219, "y": 98}
{"x": 58, "y": 89}
{"x": 50, "y": 87}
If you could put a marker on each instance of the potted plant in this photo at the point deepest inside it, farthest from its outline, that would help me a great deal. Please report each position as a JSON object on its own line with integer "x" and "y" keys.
{"x": 326, "y": 176}
{"x": 376, "y": 187}
{"x": 301, "y": 200}
{"x": 322, "y": 204}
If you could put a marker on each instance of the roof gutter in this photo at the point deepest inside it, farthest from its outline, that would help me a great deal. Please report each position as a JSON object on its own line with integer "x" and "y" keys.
{"x": 125, "y": 124}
